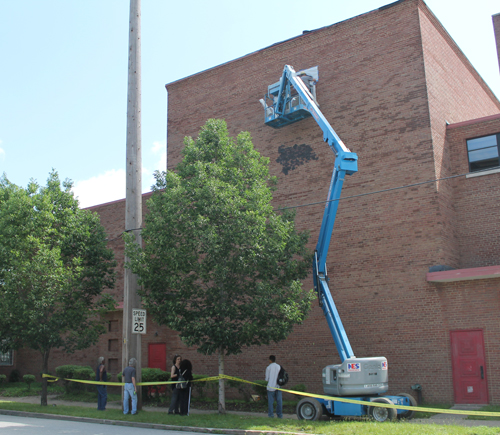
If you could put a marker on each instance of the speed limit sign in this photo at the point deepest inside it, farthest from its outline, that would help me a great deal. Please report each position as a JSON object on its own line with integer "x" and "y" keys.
{"x": 138, "y": 321}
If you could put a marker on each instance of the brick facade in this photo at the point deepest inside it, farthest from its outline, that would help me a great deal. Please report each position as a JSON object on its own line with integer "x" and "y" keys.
{"x": 391, "y": 80}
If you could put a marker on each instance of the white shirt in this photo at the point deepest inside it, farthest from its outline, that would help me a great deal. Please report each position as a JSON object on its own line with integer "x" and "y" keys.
{"x": 272, "y": 372}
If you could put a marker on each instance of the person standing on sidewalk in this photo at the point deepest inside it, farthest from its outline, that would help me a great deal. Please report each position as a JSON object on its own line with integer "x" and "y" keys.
{"x": 101, "y": 376}
{"x": 273, "y": 395}
{"x": 174, "y": 375}
{"x": 130, "y": 389}
{"x": 186, "y": 370}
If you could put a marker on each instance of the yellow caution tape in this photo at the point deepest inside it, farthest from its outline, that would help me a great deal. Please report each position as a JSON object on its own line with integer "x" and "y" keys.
{"x": 377, "y": 404}
{"x": 298, "y": 393}
{"x": 81, "y": 381}
{"x": 120, "y": 384}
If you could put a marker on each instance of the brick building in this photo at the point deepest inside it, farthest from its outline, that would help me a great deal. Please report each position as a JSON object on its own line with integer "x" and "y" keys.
{"x": 415, "y": 271}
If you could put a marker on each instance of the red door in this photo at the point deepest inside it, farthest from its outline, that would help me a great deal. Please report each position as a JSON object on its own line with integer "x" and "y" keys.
{"x": 469, "y": 369}
{"x": 157, "y": 356}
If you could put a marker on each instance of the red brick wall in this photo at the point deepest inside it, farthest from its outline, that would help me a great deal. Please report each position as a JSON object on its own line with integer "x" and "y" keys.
{"x": 456, "y": 93}
{"x": 389, "y": 80}
{"x": 475, "y": 199}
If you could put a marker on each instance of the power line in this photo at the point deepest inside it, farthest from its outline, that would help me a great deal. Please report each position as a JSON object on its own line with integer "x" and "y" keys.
{"x": 346, "y": 197}
{"x": 374, "y": 192}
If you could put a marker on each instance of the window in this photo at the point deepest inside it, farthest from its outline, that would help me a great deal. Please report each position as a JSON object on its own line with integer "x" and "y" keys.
{"x": 6, "y": 358}
{"x": 483, "y": 153}
{"x": 113, "y": 326}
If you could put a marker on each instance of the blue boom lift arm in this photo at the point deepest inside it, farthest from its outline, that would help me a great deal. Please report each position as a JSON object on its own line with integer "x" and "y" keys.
{"x": 292, "y": 99}
{"x": 287, "y": 108}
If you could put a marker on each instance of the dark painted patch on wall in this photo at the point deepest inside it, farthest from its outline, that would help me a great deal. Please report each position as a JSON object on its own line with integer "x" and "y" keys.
{"x": 292, "y": 157}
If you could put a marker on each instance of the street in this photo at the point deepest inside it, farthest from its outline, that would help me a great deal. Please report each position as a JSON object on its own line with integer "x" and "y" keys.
{"x": 13, "y": 425}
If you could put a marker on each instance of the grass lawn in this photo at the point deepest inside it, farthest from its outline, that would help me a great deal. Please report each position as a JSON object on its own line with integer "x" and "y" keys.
{"x": 258, "y": 421}
{"x": 487, "y": 408}
{"x": 20, "y": 389}
{"x": 246, "y": 422}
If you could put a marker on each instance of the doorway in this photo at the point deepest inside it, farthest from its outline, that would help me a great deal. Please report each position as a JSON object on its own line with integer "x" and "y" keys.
{"x": 157, "y": 359}
{"x": 469, "y": 366}
{"x": 157, "y": 356}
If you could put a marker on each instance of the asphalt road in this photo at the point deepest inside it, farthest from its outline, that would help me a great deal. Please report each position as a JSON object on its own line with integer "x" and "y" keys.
{"x": 14, "y": 425}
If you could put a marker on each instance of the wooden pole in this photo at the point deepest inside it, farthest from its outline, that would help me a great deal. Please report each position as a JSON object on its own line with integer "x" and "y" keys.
{"x": 131, "y": 347}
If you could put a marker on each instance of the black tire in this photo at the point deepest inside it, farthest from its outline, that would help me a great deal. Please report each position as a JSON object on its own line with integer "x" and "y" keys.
{"x": 407, "y": 415}
{"x": 309, "y": 409}
{"x": 382, "y": 414}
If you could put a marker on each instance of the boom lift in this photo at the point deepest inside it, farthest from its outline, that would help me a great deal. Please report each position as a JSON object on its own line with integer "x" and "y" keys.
{"x": 289, "y": 100}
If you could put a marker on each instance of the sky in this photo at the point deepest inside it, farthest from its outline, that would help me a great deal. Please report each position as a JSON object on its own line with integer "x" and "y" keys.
{"x": 63, "y": 75}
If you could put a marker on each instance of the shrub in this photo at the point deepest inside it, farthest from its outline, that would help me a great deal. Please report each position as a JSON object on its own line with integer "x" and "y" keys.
{"x": 29, "y": 379}
{"x": 261, "y": 388}
{"x": 203, "y": 389}
{"x": 15, "y": 376}
{"x": 71, "y": 371}
{"x": 299, "y": 388}
{"x": 3, "y": 378}
{"x": 84, "y": 374}
{"x": 153, "y": 375}
{"x": 243, "y": 388}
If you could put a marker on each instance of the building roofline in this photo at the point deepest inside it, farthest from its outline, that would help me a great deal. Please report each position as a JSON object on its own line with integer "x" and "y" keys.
{"x": 487, "y": 272}
{"x": 460, "y": 54}
{"x": 473, "y": 121}
{"x": 304, "y": 33}
{"x": 92, "y": 207}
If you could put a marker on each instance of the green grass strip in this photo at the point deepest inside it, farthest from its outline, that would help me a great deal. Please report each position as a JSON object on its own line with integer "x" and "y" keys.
{"x": 253, "y": 423}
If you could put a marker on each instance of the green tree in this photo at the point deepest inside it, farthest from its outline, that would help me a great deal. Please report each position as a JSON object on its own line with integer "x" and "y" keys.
{"x": 54, "y": 265}
{"x": 219, "y": 265}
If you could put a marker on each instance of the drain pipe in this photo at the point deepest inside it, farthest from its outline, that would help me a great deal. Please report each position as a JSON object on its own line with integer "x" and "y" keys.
{"x": 418, "y": 389}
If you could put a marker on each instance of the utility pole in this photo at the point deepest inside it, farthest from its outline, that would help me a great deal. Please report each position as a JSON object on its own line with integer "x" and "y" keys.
{"x": 131, "y": 347}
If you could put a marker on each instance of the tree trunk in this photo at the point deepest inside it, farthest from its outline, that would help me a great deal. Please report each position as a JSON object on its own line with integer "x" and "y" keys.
{"x": 45, "y": 370}
{"x": 222, "y": 391}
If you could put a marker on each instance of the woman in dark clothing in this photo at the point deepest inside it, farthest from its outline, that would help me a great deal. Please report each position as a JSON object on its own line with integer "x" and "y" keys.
{"x": 102, "y": 376}
{"x": 174, "y": 373}
{"x": 186, "y": 370}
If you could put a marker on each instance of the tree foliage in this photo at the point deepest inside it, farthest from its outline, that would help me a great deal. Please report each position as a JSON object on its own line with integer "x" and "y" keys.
{"x": 54, "y": 265}
{"x": 219, "y": 265}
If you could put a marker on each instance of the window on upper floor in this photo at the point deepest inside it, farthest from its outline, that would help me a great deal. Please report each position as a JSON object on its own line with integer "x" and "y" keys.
{"x": 6, "y": 358}
{"x": 483, "y": 152}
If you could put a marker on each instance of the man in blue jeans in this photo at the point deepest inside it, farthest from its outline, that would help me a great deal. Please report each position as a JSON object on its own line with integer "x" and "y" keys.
{"x": 130, "y": 389}
{"x": 273, "y": 395}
